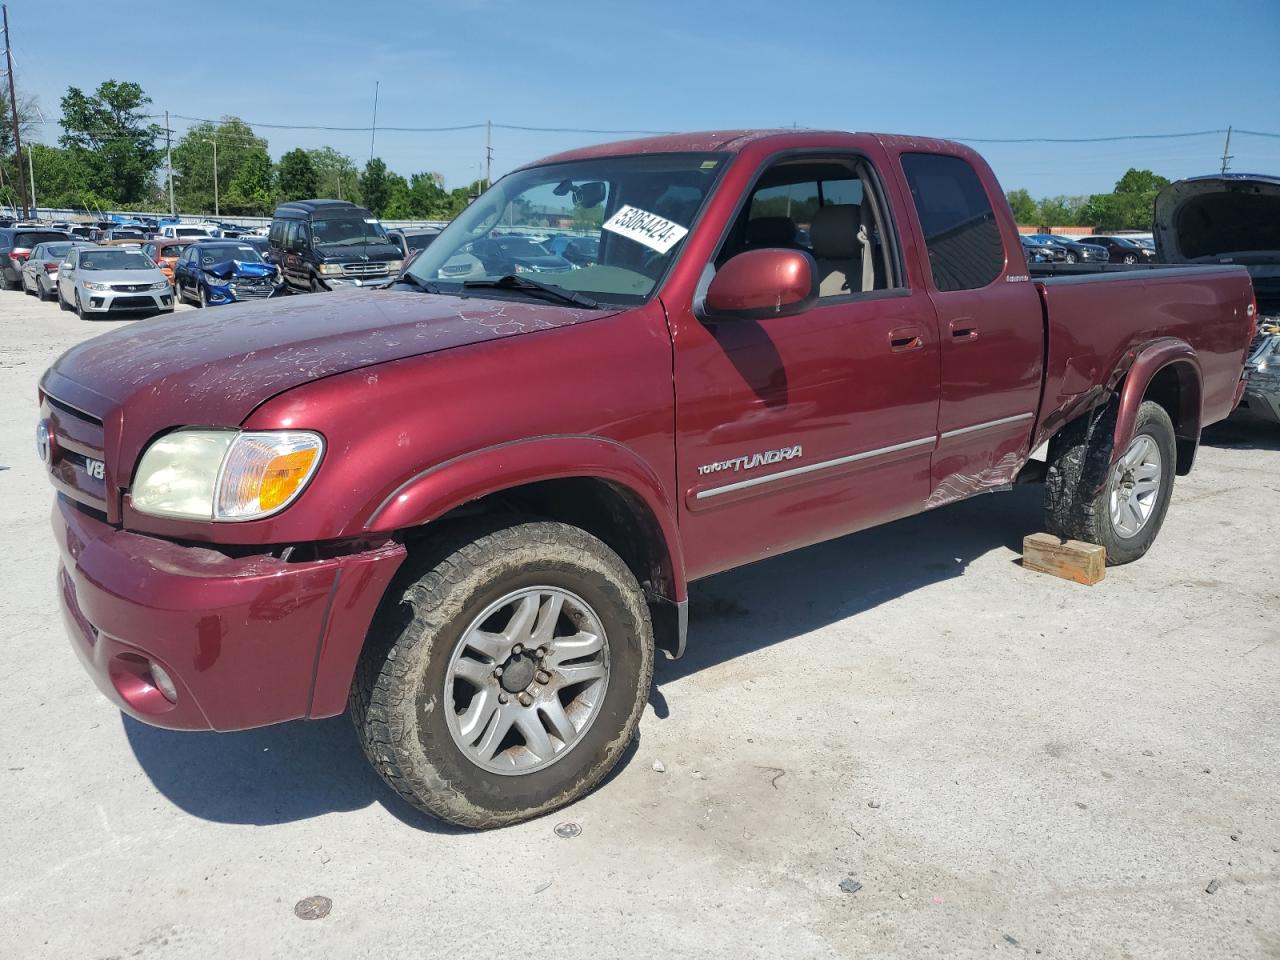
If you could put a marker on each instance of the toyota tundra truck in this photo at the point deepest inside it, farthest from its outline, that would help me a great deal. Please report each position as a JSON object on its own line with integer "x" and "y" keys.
{"x": 467, "y": 506}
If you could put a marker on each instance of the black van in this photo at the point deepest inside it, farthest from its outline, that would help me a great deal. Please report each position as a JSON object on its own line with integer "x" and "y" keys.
{"x": 325, "y": 244}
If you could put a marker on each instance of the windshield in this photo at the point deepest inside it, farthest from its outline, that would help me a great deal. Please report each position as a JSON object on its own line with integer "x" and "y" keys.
{"x": 637, "y": 208}
{"x": 211, "y": 253}
{"x": 348, "y": 230}
{"x": 106, "y": 259}
{"x": 190, "y": 232}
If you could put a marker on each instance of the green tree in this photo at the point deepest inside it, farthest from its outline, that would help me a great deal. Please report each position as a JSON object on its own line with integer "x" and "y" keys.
{"x": 1129, "y": 206}
{"x": 428, "y": 198}
{"x": 296, "y": 177}
{"x": 59, "y": 178}
{"x": 109, "y": 137}
{"x": 399, "y": 205}
{"x": 1059, "y": 211}
{"x": 249, "y": 193}
{"x": 337, "y": 176}
{"x": 238, "y": 146}
{"x": 1024, "y": 208}
{"x": 374, "y": 186}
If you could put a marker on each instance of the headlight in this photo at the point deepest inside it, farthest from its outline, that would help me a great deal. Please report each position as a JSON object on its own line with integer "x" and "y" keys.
{"x": 160, "y": 285}
{"x": 225, "y": 474}
{"x": 93, "y": 285}
{"x": 332, "y": 269}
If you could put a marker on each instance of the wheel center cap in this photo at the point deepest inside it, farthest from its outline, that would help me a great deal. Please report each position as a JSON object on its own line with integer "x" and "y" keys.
{"x": 517, "y": 673}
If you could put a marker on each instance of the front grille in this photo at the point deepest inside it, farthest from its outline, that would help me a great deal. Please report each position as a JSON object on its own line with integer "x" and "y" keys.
{"x": 131, "y": 287}
{"x": 132, "y": 303}
{"x": 365, "y": 269}
{"x": 252, "y": 290}
{"x": 76, "y": 442}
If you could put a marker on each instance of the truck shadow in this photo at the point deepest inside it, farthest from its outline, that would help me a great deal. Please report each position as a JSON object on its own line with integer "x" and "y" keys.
{"x": 296, "y": 771}
{"x": 737, "y": 612}
{"x": 1242, "y": 431}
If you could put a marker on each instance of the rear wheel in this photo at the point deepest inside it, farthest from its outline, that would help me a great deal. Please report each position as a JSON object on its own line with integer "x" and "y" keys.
{"x": 1132, "y": 495}
{"x": 505, "y": 673}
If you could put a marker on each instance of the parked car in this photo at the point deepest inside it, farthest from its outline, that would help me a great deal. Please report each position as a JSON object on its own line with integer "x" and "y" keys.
{"x": 579, "y": 251}
{"x": 214, "y": 272}
{"x": 470, "y": 512}
{"x": 325, "y": 244}
{"x": 40, "y": 272}
{"x": 413, "y": 241}
{"x": 1036, "y": 252}
{"x": 1233, "y": 218}
{"x": 1123, "y": 250}
{"x": 259, "y": 243}
{"x": 107, "y": 280}
{"x": 124, "y": 235}
{"x": 16, "y": 244}
{"x": 1073, "y": 250}
{"x": 165, "y": 253}
{"x": 184, "y": 231}
{"x": 509, "y": 254}
{"x": 83, "y": 232}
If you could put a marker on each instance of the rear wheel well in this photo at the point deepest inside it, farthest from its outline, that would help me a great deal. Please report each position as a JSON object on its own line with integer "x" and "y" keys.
{"x": 608, "y": 511}
{"x": 1176, "y": 388}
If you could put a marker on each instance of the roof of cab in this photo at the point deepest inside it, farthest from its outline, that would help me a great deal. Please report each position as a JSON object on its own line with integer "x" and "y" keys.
{"x": 734, "y": 141}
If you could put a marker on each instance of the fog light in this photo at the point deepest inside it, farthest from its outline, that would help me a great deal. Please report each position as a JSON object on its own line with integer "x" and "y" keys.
{"x": 163, "y": 682}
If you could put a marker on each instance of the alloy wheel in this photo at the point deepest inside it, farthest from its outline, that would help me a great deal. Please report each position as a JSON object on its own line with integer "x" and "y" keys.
{"x": 1134, "y": 486}
{"x": 526, "y": 680}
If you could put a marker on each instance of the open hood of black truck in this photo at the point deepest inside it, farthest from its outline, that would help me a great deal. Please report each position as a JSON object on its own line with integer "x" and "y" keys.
{"x": 1227, "y": 218}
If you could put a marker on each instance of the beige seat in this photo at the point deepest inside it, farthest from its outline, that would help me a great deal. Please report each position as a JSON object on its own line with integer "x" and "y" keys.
{"x": 837, "y": 249}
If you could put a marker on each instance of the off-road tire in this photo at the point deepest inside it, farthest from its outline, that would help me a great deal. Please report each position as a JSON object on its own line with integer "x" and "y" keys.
{"x": 1076, "y": 503}
{"x": 398, "y": 697}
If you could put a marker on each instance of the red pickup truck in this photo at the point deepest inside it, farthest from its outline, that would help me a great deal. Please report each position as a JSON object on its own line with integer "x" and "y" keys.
{"x": 469, "y": 504}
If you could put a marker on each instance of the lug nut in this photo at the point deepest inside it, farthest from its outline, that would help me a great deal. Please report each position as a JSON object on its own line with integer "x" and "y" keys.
{"x": 519, "y": 647}
{"x": 497, "y": 671}
{"x": 525, "y": 699}
{"x": 503, "y": 698}
{"x": 542, "y": 653}
{"x": 542, "y": 676}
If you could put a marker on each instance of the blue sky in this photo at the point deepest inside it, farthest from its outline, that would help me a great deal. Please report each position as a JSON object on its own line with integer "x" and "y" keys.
{"x": 937, "y": 68}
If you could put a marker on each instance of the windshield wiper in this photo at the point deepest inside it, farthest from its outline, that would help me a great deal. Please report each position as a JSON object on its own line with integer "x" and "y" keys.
{"x": 424, "y": 285}
{"x": 515, "y": 282}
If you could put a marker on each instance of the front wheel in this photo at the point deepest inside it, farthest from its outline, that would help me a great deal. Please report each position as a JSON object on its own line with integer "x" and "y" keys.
{"x": 505, "y": 673}
{"x": 204, "y": 297}
{"x": 1130, "y": 258}
{"x": 1071, "y": 257}
{"x": 1126, "y": 512}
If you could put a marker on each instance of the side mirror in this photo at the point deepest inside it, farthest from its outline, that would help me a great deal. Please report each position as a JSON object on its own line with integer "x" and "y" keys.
{"x": 65, "y": 265}
{"x": 759, "y": 284}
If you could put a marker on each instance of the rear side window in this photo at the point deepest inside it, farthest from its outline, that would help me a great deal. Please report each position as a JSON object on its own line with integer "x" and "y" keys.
{"x": 960, "y": 229}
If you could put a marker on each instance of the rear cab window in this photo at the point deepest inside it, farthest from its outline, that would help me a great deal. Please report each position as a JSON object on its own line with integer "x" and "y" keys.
{"x": 957, "y": 219}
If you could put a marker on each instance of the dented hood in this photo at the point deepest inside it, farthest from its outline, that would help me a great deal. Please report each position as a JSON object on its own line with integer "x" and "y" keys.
{"x": 245, "y": 269}
{"x": 1227, "y": 218}
{"x": 214, "y": 367}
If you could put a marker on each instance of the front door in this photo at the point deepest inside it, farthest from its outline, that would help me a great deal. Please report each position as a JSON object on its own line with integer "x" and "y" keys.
{"x": 796, "y": 429}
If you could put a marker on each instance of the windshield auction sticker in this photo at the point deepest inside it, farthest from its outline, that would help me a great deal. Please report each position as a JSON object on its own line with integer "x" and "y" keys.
{"x": 655, "y": 232}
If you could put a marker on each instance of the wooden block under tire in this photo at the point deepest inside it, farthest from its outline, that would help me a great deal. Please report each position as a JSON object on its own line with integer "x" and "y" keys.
{"x": 1070, "y": 559}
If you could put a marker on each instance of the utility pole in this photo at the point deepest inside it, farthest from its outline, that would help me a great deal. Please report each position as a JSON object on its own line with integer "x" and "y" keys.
{"x": 168, "y": 158}
{"x": 1226, "y": 151}
{"x": 373, "y": 131}
{"x": 215, "y": 175}
{"x": 31, "y": 177}
{"x": 13, "y": 106}
{"x": 488, "y": 152}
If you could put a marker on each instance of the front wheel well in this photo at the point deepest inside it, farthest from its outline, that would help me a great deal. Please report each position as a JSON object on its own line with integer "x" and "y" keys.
{"x": 606, "y": 510}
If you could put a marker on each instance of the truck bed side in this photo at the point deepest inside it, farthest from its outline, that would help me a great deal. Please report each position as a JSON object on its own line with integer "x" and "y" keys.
{"x": 1099, "y": 324}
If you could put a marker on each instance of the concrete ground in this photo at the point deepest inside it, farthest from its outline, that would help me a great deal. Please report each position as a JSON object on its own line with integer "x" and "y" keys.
{"x": 1008, "y": 764}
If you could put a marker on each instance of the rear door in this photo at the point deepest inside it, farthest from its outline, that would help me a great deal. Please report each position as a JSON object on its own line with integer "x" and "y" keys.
{"x": 990, "y": 324}
{"x": 791, "y": 430}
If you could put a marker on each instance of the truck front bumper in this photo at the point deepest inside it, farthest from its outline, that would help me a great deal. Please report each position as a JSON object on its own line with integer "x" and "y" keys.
{"x": 238, "y": 641}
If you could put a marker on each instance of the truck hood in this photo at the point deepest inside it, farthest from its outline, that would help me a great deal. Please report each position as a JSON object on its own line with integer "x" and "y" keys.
{"x": 214, "y": 367}
{"x": 1228, "y": 218}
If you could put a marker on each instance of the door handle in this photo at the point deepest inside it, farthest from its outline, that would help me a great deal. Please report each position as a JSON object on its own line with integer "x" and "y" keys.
{"x": 963, "y": 328}
{"x": 904, "y": 339}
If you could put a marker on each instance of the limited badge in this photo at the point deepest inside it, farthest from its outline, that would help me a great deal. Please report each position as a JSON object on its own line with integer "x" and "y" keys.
{"x": 655, "y": 232}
